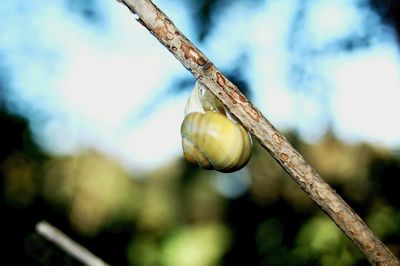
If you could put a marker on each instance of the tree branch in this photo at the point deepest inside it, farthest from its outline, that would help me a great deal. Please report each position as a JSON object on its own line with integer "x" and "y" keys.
{"x": 152, "y": 18}
{"x": 68, "y": 245}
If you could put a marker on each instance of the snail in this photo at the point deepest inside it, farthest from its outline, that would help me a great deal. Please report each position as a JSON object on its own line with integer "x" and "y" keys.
{"x": 211, "y": 137}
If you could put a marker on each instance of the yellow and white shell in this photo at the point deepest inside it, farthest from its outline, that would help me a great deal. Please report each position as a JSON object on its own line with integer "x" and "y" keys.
{"x": 211, "y": 138}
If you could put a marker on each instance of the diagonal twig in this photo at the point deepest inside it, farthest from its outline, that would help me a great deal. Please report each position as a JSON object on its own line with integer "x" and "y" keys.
{"x": 68, "y": 245}
{"x": 152, "y": 18}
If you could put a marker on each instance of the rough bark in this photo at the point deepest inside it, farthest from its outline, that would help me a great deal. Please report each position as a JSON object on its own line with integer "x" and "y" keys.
{"x": 152, "y": 18}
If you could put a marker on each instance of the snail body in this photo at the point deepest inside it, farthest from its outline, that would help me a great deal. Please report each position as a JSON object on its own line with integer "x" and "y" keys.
{"x": 211, "y": 138}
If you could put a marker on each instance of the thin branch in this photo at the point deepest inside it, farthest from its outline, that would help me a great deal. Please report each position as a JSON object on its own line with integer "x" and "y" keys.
{"x": 152, "y": 18}
{"x": 68, "y": 245}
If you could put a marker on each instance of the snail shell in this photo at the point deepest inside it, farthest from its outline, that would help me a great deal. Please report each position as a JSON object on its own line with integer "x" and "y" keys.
{"x": 211, "y": 138}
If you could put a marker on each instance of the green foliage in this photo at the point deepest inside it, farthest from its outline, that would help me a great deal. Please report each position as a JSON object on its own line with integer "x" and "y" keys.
{"x": 176, "y": 216}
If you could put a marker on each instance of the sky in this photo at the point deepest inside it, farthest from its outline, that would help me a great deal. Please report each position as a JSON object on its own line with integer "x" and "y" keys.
{"x": 82, "y": 84}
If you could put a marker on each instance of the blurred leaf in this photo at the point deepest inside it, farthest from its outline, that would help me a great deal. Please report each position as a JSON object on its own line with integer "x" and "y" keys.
{"x": 95, "y": 189}
{"x": 320, "y": 238}
{"x": 144, "y": 250}
{"x": 384, "y": 221}
{"x": 201, "y": 245}
{"x": 19, "y": 181}
{"x": 320, "y": 235}
{"x": 270, "y": 235}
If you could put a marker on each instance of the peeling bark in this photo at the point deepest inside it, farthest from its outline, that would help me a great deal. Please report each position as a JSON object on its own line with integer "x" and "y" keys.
{"x": 153, "y": 19}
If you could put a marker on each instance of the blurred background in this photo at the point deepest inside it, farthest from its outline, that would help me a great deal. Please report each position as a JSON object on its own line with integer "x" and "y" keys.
{"x": 90, "y": 113}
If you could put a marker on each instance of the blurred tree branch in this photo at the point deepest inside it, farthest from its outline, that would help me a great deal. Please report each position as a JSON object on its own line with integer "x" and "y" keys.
{"x": 152, "y": 18}
{"x": 68, "y": 245}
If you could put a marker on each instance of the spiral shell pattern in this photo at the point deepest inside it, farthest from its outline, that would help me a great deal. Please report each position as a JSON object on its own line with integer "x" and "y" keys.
{"x": 210, "y": 138}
